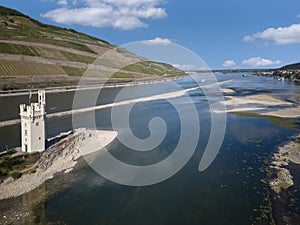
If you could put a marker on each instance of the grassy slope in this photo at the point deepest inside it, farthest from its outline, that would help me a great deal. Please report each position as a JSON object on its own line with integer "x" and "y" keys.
{"x": 295, "y": 66}
{"x": 293, "y": 72}
{"x": 66, "y": 45}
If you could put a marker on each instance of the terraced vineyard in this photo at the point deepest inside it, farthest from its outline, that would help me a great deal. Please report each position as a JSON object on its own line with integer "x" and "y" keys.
{"x": 51, "y": 53}
{"x": 30, "y": 69}
{"x": 32, "y": 49}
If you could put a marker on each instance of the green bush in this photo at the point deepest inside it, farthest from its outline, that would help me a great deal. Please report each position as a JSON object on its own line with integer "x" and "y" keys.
{"x": 4, "y": 171}
{"x": 16, "y": 175}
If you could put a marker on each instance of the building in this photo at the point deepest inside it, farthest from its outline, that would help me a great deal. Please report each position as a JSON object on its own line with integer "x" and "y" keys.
{"x": 33, "y": 124}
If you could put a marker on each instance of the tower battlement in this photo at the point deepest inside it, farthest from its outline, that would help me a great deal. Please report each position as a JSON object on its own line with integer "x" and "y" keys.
{"x": 33, "y": 124}
{"x": 32, "y": 111}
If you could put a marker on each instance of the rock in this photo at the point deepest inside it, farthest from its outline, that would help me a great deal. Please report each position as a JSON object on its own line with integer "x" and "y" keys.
{"x": 286, "y": 154}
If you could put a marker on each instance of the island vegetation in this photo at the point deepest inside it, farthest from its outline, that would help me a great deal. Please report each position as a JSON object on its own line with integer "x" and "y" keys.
{"x": 14, "y": 164}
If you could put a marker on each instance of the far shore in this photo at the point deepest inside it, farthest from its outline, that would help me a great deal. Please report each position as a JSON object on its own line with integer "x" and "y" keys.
{"x": 121, "y": 83}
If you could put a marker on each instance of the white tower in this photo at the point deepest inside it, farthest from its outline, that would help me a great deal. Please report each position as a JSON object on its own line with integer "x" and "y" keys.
{"x": 33, "y": 124}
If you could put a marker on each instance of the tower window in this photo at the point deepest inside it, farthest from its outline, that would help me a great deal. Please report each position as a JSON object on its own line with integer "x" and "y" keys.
{"x": 37, "y": 124}
{"x": 25, "y": 132}
{"x": 39, "y": 138}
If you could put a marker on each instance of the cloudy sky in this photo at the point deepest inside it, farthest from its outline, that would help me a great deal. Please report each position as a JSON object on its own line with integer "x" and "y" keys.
{"x": 225, "y": 34}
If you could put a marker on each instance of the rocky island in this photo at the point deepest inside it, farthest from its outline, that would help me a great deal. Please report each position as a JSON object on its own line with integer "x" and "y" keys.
{"x": 59, "y": 157}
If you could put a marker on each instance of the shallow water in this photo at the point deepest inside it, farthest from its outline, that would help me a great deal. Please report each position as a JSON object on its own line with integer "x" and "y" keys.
{"x": 230, "y": 191}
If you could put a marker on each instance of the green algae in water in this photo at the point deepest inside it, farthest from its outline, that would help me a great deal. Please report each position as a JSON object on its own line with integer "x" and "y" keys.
{"x": 290, "y": 123}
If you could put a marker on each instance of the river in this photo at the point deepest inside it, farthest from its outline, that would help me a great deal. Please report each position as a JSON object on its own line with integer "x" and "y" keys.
{"x": 231, "y": 191}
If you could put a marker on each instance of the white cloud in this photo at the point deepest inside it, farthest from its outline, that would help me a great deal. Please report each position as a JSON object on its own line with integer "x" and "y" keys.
{"x": 157, "y": 41}
{"x": 62, "y": 2}
{"x": 248, "y": 38}
{"x": 185, "y": 67}
{"x": 259, "y": 62}
{"x": 131, "y": 2}
{"x": 120, "y": 14}
{"x": 280, "y": 35}
{"x": 229, "y": 64}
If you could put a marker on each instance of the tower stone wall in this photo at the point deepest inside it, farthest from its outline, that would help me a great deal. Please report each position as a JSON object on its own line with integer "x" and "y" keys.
{"x": 33, "y": 124}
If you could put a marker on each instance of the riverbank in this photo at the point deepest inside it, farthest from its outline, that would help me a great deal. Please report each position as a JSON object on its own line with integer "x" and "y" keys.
{"x": 60, "y": 157}
{"x": 291, "y": 75}
{"x": 116, "y": 83}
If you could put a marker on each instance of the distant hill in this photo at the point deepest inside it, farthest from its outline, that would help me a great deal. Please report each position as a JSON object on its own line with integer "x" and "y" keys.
{"x": 33, "y": 54}
{"x": 295, "y": 66}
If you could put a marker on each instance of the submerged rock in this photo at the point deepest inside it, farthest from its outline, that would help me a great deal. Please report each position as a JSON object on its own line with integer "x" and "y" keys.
{"x": 290, "y": 153}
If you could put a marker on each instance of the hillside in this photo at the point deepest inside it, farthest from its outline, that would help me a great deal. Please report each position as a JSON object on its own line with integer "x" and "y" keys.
{"x": 290, "y": 72}
{"x": 295, "y": 66}
{"x": 33, "y": 54}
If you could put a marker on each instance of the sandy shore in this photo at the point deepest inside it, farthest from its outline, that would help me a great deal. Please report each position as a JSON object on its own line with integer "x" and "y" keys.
{"x": 9, "y": 122}
{"x": 227, "y": 91}
{"x": 61, "y": 157}
{"x": 262, "y": 99}
{"x": 285, "y": 113}
{"x": 259, "y": 103}
{"x": 240, "y": 109}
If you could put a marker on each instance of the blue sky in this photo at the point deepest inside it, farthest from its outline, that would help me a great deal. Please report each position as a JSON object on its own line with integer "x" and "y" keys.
{"x": 225, "y": 34}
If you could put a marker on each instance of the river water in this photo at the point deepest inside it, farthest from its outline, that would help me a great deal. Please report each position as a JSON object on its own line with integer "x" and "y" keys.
{"x": 231, "y": 191}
